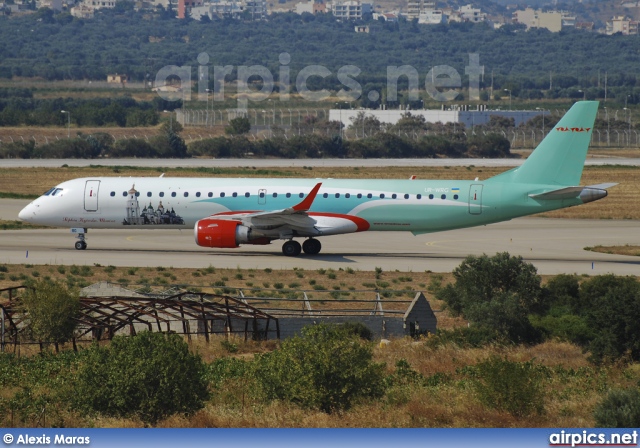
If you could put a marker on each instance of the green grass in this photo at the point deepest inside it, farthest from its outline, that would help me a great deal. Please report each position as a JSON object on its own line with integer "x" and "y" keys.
{"x": 4, "y": 195}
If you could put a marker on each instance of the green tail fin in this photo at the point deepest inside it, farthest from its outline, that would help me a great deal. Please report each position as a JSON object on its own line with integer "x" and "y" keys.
{"x": 559, "y": 158}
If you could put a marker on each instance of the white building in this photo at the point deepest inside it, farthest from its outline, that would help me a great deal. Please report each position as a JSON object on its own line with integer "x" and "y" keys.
{"x": 470, "y": 14}
{"x": 216, "y": 9}
{"x": 256, "y": 8}
{"x": 82, "y": 12}
{"x": 536, "y": 18}
{"x": 469, "y": 118}
{"x": 351, "y": 9}
{"x": 417, "y": 7}
{"x": 431, "y": 17}
{"x": 623, "y": 25}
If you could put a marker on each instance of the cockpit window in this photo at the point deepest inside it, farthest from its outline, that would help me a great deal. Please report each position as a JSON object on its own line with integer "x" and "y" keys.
{"x": 56, "y": 191}
{"x": 48, "y": 192}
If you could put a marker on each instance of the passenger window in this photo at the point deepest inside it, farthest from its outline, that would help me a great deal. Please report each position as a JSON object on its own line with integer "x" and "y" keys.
{"x": 124, "y": 193}
{"x": 406, "y": 196}
{"x": 337, "y": 195}
{"x": 247, "y": 194}
{"x": 444, "y": 196}
{"x": 381, "y": 195}
{"x": 430, "y": 196}
{"x": 137, "y": 193}
{"x": 301, "y": 195}
{"x": 369, "y": 196}
{"x": 393, "y": 196}
{"x": 235, "y": 195}
{"x": 359, "y": 196}
{"x": 222, "y": 194}
{"x": 161, "y": 194}
{"x": 148, "y": 194}
{"x": 455, "y": 196}
{"x": 210, "y": 195}
{"x": 288, "y": 195}
{"x": 275, "y": 195}
{"x": 113, "y": 193}
{"x": 418, "y": 196}
{"x": 326, "y": 195}
{"x": 198, "y": 194}
{"x": 173, "y": 194}
{"x": 348, "y": 195}
{"x": 261, "y": 194}
{"x": 186, "y": 194}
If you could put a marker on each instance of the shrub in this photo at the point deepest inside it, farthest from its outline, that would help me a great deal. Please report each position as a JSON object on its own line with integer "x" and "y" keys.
{"x": 325, "y": 368}
{"x": 619, "y": 409}
{"x": 150, "y": 376}
{"x": 466, "y": 337}
{"x": 515, "y": 387}
{"x": 496, "y": 292}
{"x": 52, "y": 310}
{"x": 359, "y": 329}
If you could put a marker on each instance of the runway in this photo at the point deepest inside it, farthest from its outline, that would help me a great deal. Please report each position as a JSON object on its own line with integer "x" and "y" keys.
{"x": 553, "y": 245}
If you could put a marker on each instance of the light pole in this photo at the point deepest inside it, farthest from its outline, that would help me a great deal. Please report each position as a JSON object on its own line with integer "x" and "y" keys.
{"x": 625, "y": 100}
{"x": 340, "y": 109}
{"x": 541, "y": 109}
{"x": 509, "y": 90}
{"x": 68, "y": 121}
{"x": 584, "y": 95}
{"x": 606, "y": 111}
{"x": 214, "y": 119}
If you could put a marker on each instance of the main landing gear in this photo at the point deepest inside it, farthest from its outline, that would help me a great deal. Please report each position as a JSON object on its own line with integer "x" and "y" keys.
{"x": 81, "y": 244}
{"x": 292, "y": 248}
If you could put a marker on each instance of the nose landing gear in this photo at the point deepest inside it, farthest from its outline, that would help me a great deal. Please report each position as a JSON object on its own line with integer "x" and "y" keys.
{"x": 81, "y": 244}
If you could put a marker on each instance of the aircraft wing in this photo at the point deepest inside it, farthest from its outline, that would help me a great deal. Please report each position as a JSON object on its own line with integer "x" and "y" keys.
{"x": 295, "y": 218}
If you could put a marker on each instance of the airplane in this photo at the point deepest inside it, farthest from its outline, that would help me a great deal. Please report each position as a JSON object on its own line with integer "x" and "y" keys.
{"x": 227, "y": 213}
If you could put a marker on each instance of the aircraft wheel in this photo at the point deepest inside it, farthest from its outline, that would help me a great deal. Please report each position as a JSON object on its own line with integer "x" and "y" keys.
{"x": 80, "y": 245}
{"x": 291, "y": 248}
{"x": 311, "y": 246}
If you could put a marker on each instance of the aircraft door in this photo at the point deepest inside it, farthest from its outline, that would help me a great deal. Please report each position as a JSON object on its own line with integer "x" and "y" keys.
{"x": 475, "y": 199}
{"x": 91, "y": 195}
{"x": 262, "y": 196}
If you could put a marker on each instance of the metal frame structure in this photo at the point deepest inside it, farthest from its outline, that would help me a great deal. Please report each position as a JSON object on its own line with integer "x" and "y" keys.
{"x": 106, "y": 316}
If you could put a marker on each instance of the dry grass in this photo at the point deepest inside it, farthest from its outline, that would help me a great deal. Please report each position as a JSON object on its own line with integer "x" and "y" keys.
{"x": 333, "y": 287}
{"x": 618, "y": 250}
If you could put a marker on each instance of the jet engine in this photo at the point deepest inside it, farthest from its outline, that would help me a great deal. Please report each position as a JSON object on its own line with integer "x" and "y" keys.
{"x": 211, "y": 232}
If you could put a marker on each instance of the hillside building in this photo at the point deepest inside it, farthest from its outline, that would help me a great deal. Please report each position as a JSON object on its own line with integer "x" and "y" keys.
{"x": 350, "y": 10}
{"x": 622, "y": 25}
{"x": 554, "y": 21}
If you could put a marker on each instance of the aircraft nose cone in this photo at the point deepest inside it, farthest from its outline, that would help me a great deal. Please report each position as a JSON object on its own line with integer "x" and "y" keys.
{"x": 26, "y": 213}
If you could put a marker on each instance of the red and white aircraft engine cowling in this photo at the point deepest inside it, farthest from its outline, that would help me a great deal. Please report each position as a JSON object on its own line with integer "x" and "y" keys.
{"x": 223, "y": 233}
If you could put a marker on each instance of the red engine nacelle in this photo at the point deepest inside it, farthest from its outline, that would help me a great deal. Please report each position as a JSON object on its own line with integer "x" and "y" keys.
{"x": 224, "y": 233}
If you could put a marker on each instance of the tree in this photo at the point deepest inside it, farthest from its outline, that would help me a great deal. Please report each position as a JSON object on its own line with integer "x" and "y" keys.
{"x": 490, "y": 145}
{"x": 325, "y": 368}
{"x": 613, "y": 307}
{"x": 238, "y": 126}
{"x": 150, "y": 376}
{"x": 496, "y": 292}
{"x": 365, "y": 125}
{"x": 51, "y": 311}
{"x": 619, "y": 409}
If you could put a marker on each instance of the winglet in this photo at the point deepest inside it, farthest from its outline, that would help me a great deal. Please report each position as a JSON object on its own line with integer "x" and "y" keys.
{"x": 306, "y": 202}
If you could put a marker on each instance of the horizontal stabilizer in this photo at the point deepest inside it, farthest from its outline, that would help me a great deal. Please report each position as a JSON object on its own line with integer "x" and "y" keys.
{"x": 586, "y": 194}
{"x": 562, "y": 193}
